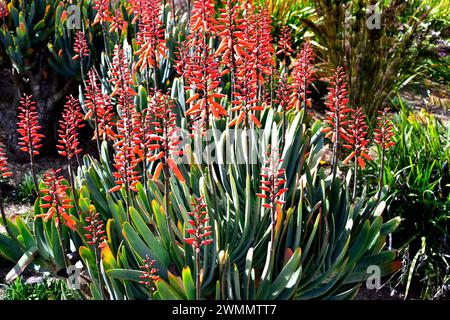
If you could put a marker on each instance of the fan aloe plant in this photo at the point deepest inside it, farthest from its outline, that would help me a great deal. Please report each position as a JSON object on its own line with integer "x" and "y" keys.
{"x": 259, "y": 227}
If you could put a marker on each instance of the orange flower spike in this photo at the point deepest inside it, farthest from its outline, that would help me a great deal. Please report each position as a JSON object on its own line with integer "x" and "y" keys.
{"x": 56, "y": 198}
{"x": 4, "y": 169}
{"x": 68, "y": 144}
{"x": 302, "y": 76}
{"x": 272, "y": 181}
{"x": 197, "y": 229}
{"x": 356, "y": 138}
{"x": 95, "y": 231}
{"x": 80, "y": 46}
{"x": 28, "y": 126}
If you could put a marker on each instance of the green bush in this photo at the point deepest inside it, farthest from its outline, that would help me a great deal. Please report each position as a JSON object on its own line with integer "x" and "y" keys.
{"x": 48, "y": 289}
{"x": 417, "y": 173}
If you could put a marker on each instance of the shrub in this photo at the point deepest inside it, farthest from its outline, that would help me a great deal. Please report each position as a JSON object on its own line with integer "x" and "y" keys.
{"x": 378, "y": 59}
{"x": 417, "y": 173}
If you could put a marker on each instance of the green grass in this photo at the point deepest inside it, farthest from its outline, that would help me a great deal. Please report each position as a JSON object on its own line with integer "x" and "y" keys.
{"x": 49, "y": 289}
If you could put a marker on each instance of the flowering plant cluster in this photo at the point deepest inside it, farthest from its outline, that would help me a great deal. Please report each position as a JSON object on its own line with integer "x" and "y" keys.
{"x": 150, "y": 221}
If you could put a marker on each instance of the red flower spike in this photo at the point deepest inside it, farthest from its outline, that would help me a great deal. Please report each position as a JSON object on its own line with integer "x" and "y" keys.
{"x": 337, "y": 113}
{"x": 203, "y": 77}
{"x": 95, "y": 231}
{"x": 71, "y": 122}
{"x": 28, "y": 126}
{"x": 4, "y": 169}
{"x": 245, "y": 103}
{"x": 232, "y": 43}
{"x": 202, "y": 17}
{"x": 162, "y": 142}
{"x": 128, "y": 137}
{"x": 284, "y": 48}
{"x": 55, "y": 199}
{"x": 356, "y": 139}
{"x": 197, "y": 227}
{"x": 117, "y": 22}
{"x": 272, "y": 181}
{"x": 150, "y": 37}
{"x": 99, "y": 107}
{"x": 149, "y": 274}
{"x": 302, "y": 76}
{"x": 384, "y": 129}
{"x": 80, "y": 46}
{"x": 4, "y": 12}
{"x": 182, "y": 59}
{"x": 284, "y": 93}
{"x": 262, "y": 51}
{"x": 103, "y": 13}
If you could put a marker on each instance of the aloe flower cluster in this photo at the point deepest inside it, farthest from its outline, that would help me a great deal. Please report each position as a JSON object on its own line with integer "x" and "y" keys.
{"x": 163, "y": 137}
{"x": 384, "y": 129}
{"x": 128, "y": 140}
{"x": 337, "y": 113}
{"x": 272, "y": 181}
{"x": 199, "y": 232}
{"x": 103, "y": 11}
{"x": 56, "y": 199}
{"x": 95, "y": 229}
{"x": 80, "y": 46}
{"x": 5, "y": 172}
{"x": 356, "y": 139}
{"x": 150, "y": 37}
{"x": 149, "y": 274}
{"x": 29, "y": 130}
{"x": 100, "y": 109}
{"x": 273, "y": 188}
{"x": 357, "y": 143}
{"x": 384, "y": 138}
{"x": 302, "y": 76}
{"x": 198, "y": 229}
{"x": 4, "y": 12}
{"x": 284, "y": 47}
{"x": 203, "y": 77}
{"x": 72, "y": 120}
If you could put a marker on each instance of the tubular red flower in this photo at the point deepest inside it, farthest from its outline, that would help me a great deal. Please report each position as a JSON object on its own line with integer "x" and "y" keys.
{"x": 203, "y": 77}
{"x": 337, "y": 112}
{"x": 245, "y": 103}
{"x": 71, "y": 122}
{"x": 357, "y": 142}
{"x": 55, "y": 199}
{"x": 182, "y": 59}
{"x": 128, "y": 137}
{"x": 80, "y": 46}
{"x": 230, "y": 26}
{"x": 28, "y": 126}
{"x": 4, "y": 169}
{"x": 202, "y": 17}
{"x": 150, "y": 37}
{"x": 272, "y": 181}
{"x": 99, "y": 107}
{"x": 117, "y": 21}
{"x": 384, "y": 129}
{"x": 4, "y": 12}
{"x": 149, "y": 274}
{"x": 261, "y": 47}
{"x": 198, "y": 229}
{"x": 103, "y": 13}
{"x": 284, "y": 47}
{"x": 284, "y": 93}
{"x": 95, "y": 231}
{"x": 302, "y": 76}
{"x": 163, "y": 142}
